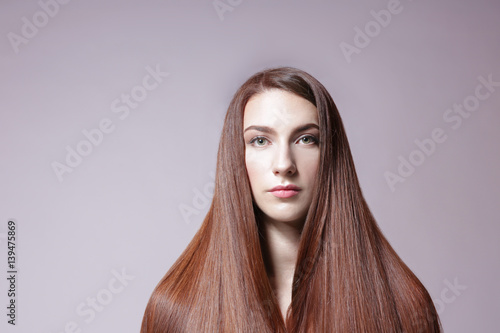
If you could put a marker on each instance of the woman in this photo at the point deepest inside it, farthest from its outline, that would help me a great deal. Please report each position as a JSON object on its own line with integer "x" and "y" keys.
{"x": 304, "y": 257}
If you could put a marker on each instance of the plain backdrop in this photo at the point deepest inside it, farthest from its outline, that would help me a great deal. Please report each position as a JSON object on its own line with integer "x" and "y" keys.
{"x": 96, "y": 233}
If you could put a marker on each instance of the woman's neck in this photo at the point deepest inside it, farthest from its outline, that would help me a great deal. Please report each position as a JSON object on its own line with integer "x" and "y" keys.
{"x": 280, "y": 247}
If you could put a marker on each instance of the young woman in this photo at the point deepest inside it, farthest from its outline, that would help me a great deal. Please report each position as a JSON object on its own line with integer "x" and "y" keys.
{"x": 289, "y": 243}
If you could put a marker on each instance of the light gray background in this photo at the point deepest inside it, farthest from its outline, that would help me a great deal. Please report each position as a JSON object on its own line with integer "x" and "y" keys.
{"x": 120, "y": 208}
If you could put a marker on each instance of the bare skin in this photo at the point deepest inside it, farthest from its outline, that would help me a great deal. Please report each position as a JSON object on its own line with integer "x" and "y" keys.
{"x": 281, "y": 242}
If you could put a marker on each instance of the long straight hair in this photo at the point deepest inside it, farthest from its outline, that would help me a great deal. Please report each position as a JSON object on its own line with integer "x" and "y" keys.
{"x": 347, "y": 277}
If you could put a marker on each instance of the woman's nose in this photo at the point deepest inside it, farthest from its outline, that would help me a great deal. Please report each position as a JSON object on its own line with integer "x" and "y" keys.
{"x": 283, "y": 163}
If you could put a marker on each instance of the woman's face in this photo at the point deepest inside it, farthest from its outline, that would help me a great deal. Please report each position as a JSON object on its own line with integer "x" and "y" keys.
{"x": 281, "y": 133}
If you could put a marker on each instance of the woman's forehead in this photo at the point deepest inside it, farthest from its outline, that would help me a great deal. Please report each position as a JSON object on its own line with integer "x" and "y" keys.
{"x": 278, "y": 108}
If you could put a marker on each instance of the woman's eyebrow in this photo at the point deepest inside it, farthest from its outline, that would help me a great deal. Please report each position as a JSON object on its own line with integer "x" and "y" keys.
{"x": 269, "y": 130}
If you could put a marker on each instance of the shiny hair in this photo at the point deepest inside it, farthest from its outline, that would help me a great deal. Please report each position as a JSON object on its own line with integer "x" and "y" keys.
{"x": 347, "y": 277}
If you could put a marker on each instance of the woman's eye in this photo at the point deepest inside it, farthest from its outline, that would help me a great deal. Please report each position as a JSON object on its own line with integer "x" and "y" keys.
{"x": 308, "y": 139}
{"x": 260, "y": 141}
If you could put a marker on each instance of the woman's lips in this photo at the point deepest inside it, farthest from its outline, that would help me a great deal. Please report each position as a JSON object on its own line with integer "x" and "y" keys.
{"x": 286, "y": 191}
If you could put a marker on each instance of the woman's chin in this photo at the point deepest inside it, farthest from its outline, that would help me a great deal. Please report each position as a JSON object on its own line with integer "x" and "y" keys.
{"x": 284, "y": 218}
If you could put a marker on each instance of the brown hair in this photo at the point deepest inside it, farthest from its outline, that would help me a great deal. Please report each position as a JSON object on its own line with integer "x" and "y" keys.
{"x": 347, "y": 278}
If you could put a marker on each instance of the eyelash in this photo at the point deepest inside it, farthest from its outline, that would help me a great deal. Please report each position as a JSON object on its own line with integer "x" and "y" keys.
{"x": 315, "y": 140}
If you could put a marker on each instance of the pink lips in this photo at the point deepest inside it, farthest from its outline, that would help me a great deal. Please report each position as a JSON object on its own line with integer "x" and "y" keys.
{"x": 285, "y": 191}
